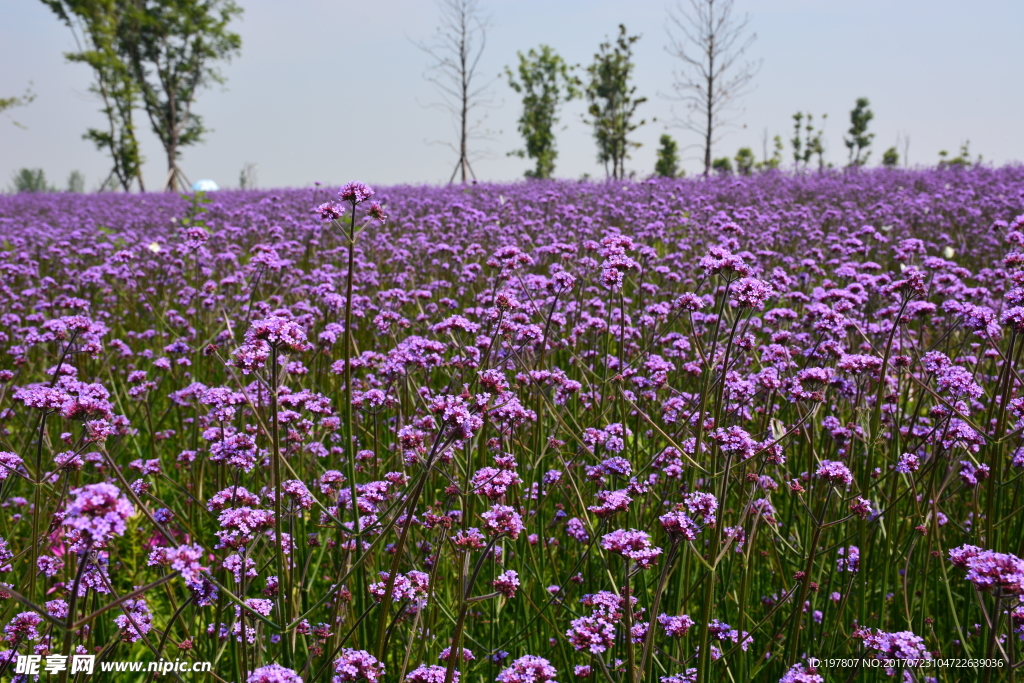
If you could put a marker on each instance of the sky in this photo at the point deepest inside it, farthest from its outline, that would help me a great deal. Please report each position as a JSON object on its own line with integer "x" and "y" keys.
{"x": 334, "y": 90}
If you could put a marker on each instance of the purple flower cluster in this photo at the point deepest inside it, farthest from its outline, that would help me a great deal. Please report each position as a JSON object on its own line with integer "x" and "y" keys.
{"x": 98, "y": 512}
{"x": 834, "y": 472}
{"x": 596, "y": 633}
{"x": 675, "y": 627}
{"x": 528, "y": 669}
{"x": 412, "y": 586}
{"x": 431, "y": 673}
{"x": 902, "y": 645}
{"x": 486, "y": 395}
{"x": 802, "y": 673}
{"x": 990, "y": 570}
{"x": 502, "y": 520}
{"x": 507, "y": 583}
{"x": 273, "y": 673}
{"x": 634, "y": 544}
{"x": 357, "y": 665}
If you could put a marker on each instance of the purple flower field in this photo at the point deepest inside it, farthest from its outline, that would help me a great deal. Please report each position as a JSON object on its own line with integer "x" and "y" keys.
{"x": 672, "y": 431}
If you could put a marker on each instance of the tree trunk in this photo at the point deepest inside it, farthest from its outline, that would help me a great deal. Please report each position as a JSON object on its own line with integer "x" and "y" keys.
{"x": 172, "y": 168}
{"x": 708, "y": 132}
{"x": 710, "y": 107}
{"x": 172, "y": 137}
{"x": 463, "y": 161}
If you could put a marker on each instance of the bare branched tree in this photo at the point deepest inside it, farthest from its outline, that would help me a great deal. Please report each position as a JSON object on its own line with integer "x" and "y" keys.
{"x": 903, "y": 141}
{"x": 711, "y": 42}
{"x": 456, "y": 51}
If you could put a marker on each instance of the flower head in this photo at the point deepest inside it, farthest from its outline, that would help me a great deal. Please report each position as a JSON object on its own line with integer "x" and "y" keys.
{"x": 835, "y": 472}
{"x": 329, "y": 212}
{"x": 430, "y": 674}
{"x": 357, "y": 665}
{"x": 273, "y": 673}
{"x": 528, "y": 669}
{"x": 354, "y": 192}
{"x": 98, "y": 512}
{"x": 502, "y": 519}
{"x": 634, "y": 544}
{"x": 507, "y": 583}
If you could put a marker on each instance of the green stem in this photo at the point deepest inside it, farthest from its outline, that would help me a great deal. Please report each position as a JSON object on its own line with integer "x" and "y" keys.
{"x": 275, "y": 444}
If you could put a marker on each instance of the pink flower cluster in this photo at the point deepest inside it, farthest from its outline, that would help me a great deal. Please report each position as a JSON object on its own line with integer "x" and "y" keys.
{"x": 632, "y": 543}
{"x": 990, "y": 570}
{"x": 98, "y": 512}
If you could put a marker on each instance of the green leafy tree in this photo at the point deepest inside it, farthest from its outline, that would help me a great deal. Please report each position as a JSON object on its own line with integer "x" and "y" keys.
{"x": 775, "y": 160}
{"x": 30, "y": 180}
{"x": 612, "y": 102}
{"x": 96, "y": 26}
{"x": 171, "y": 48}
{"x": 811, "y": 144}
{"x": 962, "y": 160}
{"x": 667, "y": 165}
{"x": 545, "y": 81}
{"x": 890, "y": 158}
{"x": 722, "y": 166}
{"x": 744, "y": 160}
{"x": 860, "y": 139}
{"x": 76, "y": 182}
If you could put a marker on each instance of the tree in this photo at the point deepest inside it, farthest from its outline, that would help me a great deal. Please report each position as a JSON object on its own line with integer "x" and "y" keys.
{"x": 30, "y": 180}
{"x": 804, "y": 150}
{"x": 612, "y": 105}
{"x": 247, "y": 177}
{"x": 460, "y": 41}
{"x": 744, "y": 160}
{"x": 962, "y": 160}
{"x": 545, "y": 82}
{"x": 775, "y": 160}
{"x": 722, "y": 166}
{"x": 711, "y": 45}
{"x": 76, "y": 182}
{"x": 170, "y": 47}
{"x": 95, "y": 25}
{"x": 12, "y": 102}
{"x": 860, "y": 139}
{"x": 890, "y": 158}
{"x": 667, "y": 165}
{"x": 903, "y": 140}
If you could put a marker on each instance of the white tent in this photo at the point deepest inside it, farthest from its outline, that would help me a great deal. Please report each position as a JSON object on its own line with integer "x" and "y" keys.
{"x": 204, "y": 186}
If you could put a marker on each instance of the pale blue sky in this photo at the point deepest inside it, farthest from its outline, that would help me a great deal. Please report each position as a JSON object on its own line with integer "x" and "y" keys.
{"x": 333, "y": 90}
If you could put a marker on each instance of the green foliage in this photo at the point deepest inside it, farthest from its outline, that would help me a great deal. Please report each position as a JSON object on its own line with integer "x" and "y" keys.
{"x": 30, "y": 180}
{"x": 962, "y": 160}
{"x": 12, "y": 102}
{"x": 612, "y": 105}
{"x": 545, "y": 81}
{"x": 170, "y": 47}
{"x": 157, "y": 52}
{"x": 860, "y": 139}
{"x": 76, "y": 182}
{"x": 775, "y": 160}
{"x": 805, "y": 149}
{"x": 197, "y": 202}
{"x": 667, "y": 165}
{"x": 97, "y": 27}
{"x": 890, "y": 158}
{"x": 721, "y": 165}
{"x": 744, "y": 160}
